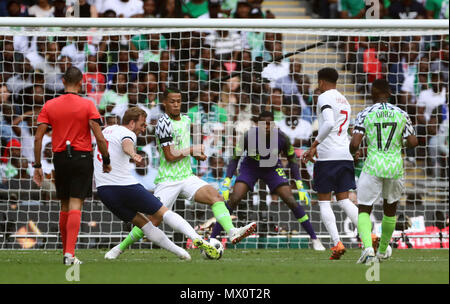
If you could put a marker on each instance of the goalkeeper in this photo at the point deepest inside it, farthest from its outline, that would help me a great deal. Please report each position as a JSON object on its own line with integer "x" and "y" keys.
{"x": 258, "y": 165}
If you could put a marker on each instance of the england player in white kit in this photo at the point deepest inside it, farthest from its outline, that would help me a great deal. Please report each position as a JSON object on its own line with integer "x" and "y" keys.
{"x": 333, "y": 166}
{"x": 130, "y": 201}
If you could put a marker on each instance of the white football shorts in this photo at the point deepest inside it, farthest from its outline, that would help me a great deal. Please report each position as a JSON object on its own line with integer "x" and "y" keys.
{"x": 168, "y": 192}
{"x": 372, "y": 189}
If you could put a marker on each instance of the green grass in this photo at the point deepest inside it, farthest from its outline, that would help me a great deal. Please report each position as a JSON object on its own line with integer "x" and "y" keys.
{"x": 257, "y": 266}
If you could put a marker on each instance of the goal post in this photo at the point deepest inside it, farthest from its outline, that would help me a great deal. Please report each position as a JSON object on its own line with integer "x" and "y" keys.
{"x": 228, "y": 70}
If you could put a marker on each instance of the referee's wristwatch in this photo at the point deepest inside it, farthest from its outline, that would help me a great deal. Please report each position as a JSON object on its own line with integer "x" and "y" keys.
{"x": 37, "y": 165}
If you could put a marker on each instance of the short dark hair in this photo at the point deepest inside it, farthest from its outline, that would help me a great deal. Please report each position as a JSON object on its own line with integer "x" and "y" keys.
{"x": 73, "y": 76}
{"x": 381, "y": 88}
{"x": 265, "y": 114}
{"x": 170, "y": 89}
{"x": 328, "y": 74}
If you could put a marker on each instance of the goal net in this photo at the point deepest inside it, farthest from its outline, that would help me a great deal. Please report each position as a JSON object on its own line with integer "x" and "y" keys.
{"x": 228, "y": 71}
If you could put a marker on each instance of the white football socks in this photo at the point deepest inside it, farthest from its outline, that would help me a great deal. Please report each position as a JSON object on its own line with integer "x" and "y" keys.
{"x": 329, "y": 220}
{"x": 179, "y": 224}
{"x": 350, "y": 209}
{"x": 158, "y": 237}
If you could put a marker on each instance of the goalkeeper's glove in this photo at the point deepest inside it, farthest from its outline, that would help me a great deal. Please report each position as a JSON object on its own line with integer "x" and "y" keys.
{"x": 226, "y": 192}
{"x": 302, "y": 194}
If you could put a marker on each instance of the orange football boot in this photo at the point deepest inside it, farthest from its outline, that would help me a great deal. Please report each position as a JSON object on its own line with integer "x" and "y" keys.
{"x": 337, "y": 251}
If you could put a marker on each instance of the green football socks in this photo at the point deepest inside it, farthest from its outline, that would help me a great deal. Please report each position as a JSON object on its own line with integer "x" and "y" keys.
{"x": 222, "y": 215}
{"x": 135, "y": 235}
{"x": 365, "y": 229}
{"x": 387, "y": 228}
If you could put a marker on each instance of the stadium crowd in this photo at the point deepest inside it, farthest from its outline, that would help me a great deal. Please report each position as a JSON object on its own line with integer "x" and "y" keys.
{"x": 227, "y": 78}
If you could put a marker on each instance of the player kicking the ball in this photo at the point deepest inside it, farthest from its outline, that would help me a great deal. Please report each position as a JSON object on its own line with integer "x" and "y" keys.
{"x": 263, "y": 163}
{"x": 333, "y": 168}
{"x": 175, "y": 177}
{"x": 128, "y": 199}
{"x": 387, "y": 128}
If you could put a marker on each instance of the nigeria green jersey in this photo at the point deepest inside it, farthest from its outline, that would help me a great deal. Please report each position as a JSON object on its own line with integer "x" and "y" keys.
{"x": 385, "y": 127}
{"x": 176, "y": 133}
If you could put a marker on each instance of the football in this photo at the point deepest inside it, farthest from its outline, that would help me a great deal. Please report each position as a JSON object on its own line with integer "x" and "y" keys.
{"x": 216, "y": 243}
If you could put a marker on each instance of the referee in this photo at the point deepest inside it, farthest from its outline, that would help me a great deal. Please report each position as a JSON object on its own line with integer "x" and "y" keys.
{"x": 72, "y": 118}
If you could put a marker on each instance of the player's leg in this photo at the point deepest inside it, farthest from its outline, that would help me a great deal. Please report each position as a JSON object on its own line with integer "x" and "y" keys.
{"x": 155, "y": 235}
{"x": 368, "y": 192}
{"x": 167, "y": 193}
{"x": 285, "y": 193}
{"x": 73, "y": 226}
{"x": 63, "y": 215}
{"x": 392, "y": 191}
{"x": 350, "y": 209}
{"x": 80, "y": 185}
{"x": 208, "y": 195}
{"x": 240, "y": 190}
{"x": 129, "y": 203}
{"x": 345, "y": 181}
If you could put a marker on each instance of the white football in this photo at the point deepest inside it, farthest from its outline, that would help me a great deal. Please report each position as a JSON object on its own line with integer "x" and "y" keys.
{"x": 216, "y": 243}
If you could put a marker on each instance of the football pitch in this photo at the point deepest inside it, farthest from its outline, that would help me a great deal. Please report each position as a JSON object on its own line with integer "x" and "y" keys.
{"x": 237, "y": 266}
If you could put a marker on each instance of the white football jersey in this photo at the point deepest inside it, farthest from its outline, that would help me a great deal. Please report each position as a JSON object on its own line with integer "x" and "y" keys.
{"x": 120, "y": 174}
{"x": 336, "y": 145}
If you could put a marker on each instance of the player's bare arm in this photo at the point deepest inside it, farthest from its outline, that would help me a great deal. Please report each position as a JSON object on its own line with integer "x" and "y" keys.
{"x": 101, "y": 143}
{"x": 38, "y": 176}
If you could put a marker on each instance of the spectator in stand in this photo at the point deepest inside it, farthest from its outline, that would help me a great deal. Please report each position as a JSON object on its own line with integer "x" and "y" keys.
{"x": 298, "y": 84}
{"x": 111, "y": 120}
{"x": 124, "y": 65}
{"x": 116, "y": 95}
{"x": 352, "y": 9}
{"x": 404, "y": 68}
{"x": 10, "y": 160}
{"x": 144, "y": 173}
{"x": 206, "y": 112}
{"x": 124, "y": 8}
{"x": 438, "y": 145}
{"x": 6, "y": 117}
{"x": 297, "y": 129}
{"x": 24, "y": 127}
{"x": 148, "y": 86}
{"x": 78, "y": 51}
{"x": 150, "y": 8}
{"x": 407, "y": 9}
{"x": 51, "y": 69}
{"x": 60, "y": 8}
{"x": 414, "y": 84}
{"x": 429, "y": 99}
{"x": 254, "y": 40}
{"x": 243, "y": 9}
{"x": 216, "y": 173}
{"x": 441, "y": 63}
{"x": 229, "y": 94}
{"x": 226, "y": 44}
{"x": 196, "y": 8}
{"x": 87, "y": 10}
{"x": 7, "y": 55}
{"x": 23, "y": 75}
{"x": 245, "y": 113}
{"x": 15, "y": 8}
{"x": 435, "y": 7}
{"x": 276, "y": 69}
{"x": 171, "y": 9}
{"x": 275, "y": 103}
{"x": 94, "y": 82}
{"x": 41, "y": 9}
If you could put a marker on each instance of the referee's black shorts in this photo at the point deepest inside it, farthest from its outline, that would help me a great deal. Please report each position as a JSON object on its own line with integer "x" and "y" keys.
{"x": 73, "y": 176}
